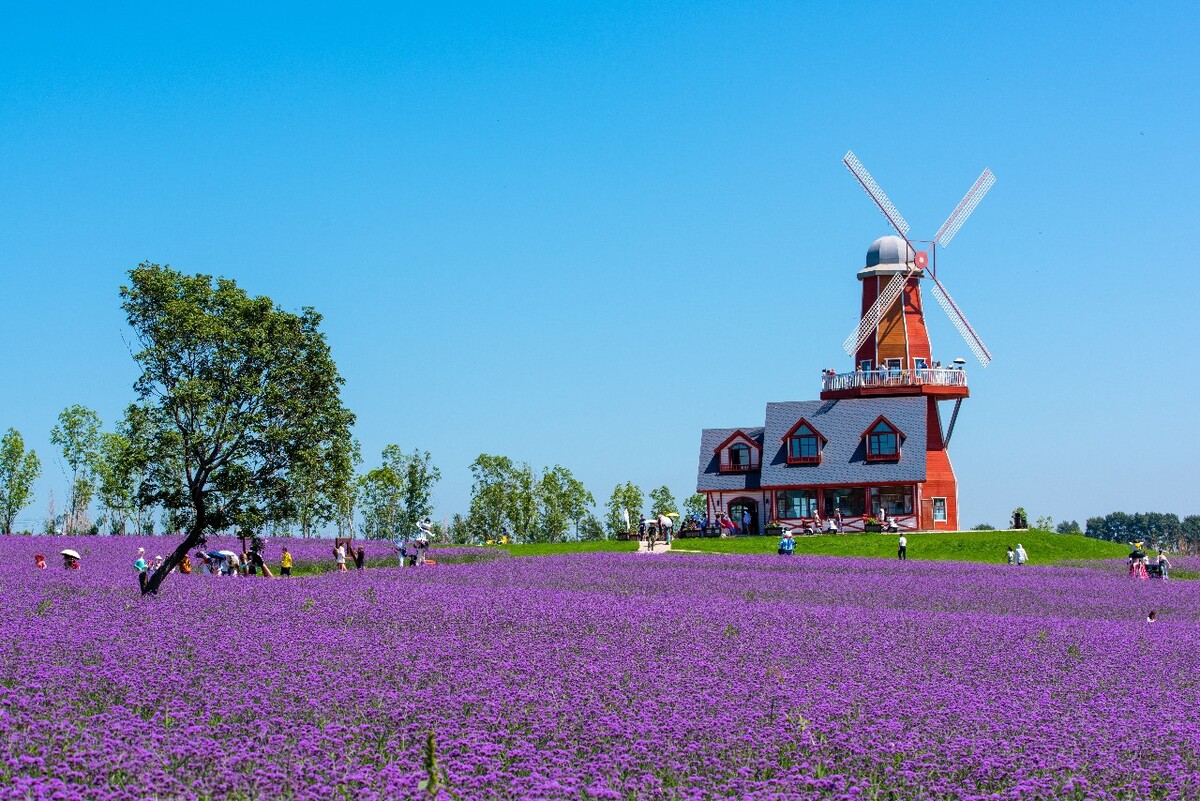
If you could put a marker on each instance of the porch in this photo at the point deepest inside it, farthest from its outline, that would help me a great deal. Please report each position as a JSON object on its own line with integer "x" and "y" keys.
{"x": 938, "y": 381}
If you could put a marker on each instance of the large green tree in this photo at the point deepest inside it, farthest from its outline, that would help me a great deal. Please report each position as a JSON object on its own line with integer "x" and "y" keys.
{"x": 19, "y": 469}
{"x": 398, "y": 494}
{"x": 77, "y": 432}
{"x": 236, "y": 392}
{"x": 503, "y": 497}
{"x": 625, "y": 497}
{"x": 662, "y": 502}
{"x": 563, "y": 500}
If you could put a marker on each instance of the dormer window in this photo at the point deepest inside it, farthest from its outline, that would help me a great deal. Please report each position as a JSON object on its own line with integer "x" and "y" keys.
{"x": 804, "y": 444}
{"x": 739, "y": 454}
{"x": 739, "y": 457}
{"x": 883, "y": 441}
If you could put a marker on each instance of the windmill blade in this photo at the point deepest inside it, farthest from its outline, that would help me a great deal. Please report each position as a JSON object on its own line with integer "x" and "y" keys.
{"x": 964, "y": 208}
{"x": 877, "y": 194}
{"x": 960, "y": 322}
{"x": 870, "y": 320}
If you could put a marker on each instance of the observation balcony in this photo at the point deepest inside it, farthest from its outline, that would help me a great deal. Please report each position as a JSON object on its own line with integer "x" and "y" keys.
{"x": 939, "y": 382}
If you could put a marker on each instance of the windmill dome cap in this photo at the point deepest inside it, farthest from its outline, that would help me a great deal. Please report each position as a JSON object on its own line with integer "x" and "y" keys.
{"x": 889, "y": 250}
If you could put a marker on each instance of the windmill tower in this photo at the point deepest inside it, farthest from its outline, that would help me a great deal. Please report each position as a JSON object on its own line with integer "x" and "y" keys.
{"x": 891, "y": 345}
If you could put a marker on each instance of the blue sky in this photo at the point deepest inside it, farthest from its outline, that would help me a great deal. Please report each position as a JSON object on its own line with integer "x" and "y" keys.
{"x": 579, "y": 233}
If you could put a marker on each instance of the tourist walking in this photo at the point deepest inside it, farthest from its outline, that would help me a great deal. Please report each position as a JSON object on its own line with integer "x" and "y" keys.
{"x": 746, "y": 522}
{"x": 1012, "y": 555}
{"x": 902, "y": 551}
{"x": 1021, "y": 555}
{"x": 285, "y": 563}
{"x": 641, "y": 527}
{"x": 339, "y": 556}
{"x": 665, "y": 524}
{"x": 1163, "y": 565}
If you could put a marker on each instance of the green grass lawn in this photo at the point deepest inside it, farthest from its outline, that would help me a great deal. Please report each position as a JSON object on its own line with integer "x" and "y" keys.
{"x": 555, "y": 548}
{"x": 1043, "y": 547}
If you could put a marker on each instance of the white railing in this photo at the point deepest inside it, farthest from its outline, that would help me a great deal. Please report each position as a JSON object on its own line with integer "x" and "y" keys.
{"x": 936, "y": 376}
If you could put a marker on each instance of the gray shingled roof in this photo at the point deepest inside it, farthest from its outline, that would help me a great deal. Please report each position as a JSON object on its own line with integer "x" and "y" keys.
{"x": 710, "y": 477}
{"x": 843, "y": 460}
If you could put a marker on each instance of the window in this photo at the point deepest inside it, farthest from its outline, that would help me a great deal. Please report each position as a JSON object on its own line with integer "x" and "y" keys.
{"x": 851, "y": 501}
{"x": 939, "y": 510}
{"x": 883, "y": 441}
{"x": 793, "y": 504}
{"x": 739, "y": 457}
{"x": 892, "y": 500}
{"x": 864, "y": 365}
{"x": 738, "y": 454}
{"x": 803, "y": 444}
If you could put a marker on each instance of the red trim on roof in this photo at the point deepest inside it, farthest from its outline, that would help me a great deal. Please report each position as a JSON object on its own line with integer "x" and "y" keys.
{"x": 739, "y": 433}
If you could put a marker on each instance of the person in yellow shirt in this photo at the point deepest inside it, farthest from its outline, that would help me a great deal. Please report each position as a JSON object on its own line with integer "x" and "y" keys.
{"x": 285, "y": 563}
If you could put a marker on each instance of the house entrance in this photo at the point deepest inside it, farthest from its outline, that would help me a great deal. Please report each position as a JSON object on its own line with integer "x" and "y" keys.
{"x": 738, "y": 509}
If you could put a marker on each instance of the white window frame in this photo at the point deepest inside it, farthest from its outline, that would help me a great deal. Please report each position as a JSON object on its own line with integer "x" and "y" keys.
{"x": 936, "y": 504}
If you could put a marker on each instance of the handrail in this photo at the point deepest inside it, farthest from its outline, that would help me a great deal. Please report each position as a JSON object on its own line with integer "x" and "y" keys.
{"x": 925, "y": 376}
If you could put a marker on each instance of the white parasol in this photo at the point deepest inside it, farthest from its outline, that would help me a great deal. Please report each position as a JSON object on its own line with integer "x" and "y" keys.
{"x": 71, "y": 553}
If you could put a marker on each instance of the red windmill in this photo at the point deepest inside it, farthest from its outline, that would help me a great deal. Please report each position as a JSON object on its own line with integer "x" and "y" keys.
{"x": 880, "y": 300}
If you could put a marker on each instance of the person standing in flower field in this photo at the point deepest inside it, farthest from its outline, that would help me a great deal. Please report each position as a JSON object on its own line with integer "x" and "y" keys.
{"x": 141, "y": 566}
{"x": 902, "y": 551}
{"x": 339, "y": 555}
{"x": 1022, "y": 557}
{"x": 39, "y": 561}
{"x": 360, "y": 558}
{"x": 1012, "y": 555}
{"x": 1163, "y": 564}
{"x": 285, "y": 563}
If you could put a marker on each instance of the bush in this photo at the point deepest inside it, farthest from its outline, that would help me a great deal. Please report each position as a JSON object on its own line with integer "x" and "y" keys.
{"x": 983, "y": 527}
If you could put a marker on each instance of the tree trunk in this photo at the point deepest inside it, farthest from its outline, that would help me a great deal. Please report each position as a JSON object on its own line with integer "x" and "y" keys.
{"x": 194, "y": 537}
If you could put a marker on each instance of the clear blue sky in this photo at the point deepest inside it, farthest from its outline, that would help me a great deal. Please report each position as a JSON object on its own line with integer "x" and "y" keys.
{"x": 579, "y": 233}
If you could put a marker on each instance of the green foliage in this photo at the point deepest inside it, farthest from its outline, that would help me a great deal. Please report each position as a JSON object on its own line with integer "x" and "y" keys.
{"x": 398, "y": 494}
{"x": 625, "y": 497}
{"x": 1068, "y": 527}
{"x": 503, "y": 499}
{"x": 235, "y": 392}
{"x": 19, "y": 469}
{"x": 78, "y": 434}
{"x": 983, "y": 527}
{"x": 563, "y": 499}
{"x": 1043, "y": 547}
{"x": 590, "y": 529}
{"x": 662, "y": 502}
{"x": 1019, "y": 518}
{"x": 696, "y": 504}
{"x": 1159, "y": 530}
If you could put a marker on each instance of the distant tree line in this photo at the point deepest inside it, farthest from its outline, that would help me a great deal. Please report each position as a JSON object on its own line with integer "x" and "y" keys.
{"x": 1159, "y": 530}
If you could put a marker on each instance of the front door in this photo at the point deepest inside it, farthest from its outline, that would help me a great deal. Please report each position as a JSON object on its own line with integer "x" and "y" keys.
{"x": 744, "y": 513}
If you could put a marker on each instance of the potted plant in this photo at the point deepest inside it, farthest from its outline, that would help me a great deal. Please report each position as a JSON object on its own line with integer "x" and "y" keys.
{"x": 873, "y": 526}
{"x": 774, "y": 529}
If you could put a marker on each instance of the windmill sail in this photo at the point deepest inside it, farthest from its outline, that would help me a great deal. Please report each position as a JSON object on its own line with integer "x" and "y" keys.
{"x": 960, "y": 322}
{"x": 964, "y": 208}
{"x": 870, "y": 321}
{"x": 894, "y": 217}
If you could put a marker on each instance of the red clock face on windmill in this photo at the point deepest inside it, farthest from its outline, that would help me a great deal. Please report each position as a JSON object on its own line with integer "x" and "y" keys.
{"x": 922, "y": 259}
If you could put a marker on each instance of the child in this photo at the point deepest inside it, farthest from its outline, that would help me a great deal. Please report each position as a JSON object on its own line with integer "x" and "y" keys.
{"x": 360, "y": 558}
{"x": 787, "y": 545}
{"x": 39, "y": 561}
{"x": 285, "y": 563}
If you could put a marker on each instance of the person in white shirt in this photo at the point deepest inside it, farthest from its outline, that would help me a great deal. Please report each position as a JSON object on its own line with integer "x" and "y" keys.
{"x": 902, "y": 552}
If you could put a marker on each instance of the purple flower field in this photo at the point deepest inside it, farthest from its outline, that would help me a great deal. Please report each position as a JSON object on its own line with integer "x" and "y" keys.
{"x": 605, "y": 676}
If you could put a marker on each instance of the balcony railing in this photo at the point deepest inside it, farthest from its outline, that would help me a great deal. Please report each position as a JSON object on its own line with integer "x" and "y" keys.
{"x": 935, "y": 376}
